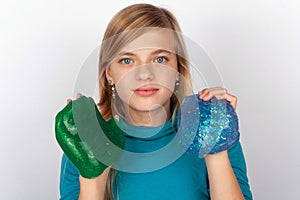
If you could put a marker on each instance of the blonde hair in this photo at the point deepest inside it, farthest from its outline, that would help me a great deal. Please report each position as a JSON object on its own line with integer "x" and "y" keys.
{"x": 124, "y": 27}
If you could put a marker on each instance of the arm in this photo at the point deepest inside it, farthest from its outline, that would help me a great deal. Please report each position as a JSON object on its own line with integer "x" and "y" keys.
{"x": 227, "y": 167}
{"x": 93, "y": 189}
{"x": 83, "y": 174}
{"x": 238, "y": 163}
{"x": 73, "y": 186}
{"x": 219, "y": 182}
{"x": 222, "y": 181}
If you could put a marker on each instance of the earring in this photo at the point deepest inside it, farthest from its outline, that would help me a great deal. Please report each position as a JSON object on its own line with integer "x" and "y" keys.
{"x": 113, "y": 89}
{"x": 176, "y": 87}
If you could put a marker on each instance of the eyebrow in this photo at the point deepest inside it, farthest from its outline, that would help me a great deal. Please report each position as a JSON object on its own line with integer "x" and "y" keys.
{"x": 158, "y": 51}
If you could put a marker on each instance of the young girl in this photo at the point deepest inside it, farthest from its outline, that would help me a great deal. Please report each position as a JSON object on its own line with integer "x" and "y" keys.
{"x": 143, "y": 78}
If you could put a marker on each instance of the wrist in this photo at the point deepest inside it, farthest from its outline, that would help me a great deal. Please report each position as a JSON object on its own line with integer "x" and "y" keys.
{"x": 93, "y": 188}
{"x": 218, "y": 157}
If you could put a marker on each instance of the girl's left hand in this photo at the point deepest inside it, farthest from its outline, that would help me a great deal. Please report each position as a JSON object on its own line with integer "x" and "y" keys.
{"x": 220, "y": 93}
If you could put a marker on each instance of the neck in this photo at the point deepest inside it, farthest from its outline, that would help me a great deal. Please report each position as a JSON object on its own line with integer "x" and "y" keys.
{"x": 152, "y": 118}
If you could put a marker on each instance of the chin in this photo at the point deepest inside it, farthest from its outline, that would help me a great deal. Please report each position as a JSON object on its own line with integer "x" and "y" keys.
{"x": 145, "y": 108}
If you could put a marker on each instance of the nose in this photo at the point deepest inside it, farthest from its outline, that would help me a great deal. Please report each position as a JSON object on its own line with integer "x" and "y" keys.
{"x": 144, "y": 73}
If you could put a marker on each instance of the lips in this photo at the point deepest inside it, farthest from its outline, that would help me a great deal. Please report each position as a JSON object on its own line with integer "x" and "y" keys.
{"x": 147, "y": 91}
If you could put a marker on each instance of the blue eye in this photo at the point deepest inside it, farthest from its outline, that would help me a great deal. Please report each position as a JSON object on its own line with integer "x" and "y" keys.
{"x": 126, "y": 61}
{"x": 160, "y": 59}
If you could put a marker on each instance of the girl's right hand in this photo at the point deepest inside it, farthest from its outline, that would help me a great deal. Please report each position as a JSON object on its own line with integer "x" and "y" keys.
{"x": 78, "y": 95}
{"x": 82, "y": 139}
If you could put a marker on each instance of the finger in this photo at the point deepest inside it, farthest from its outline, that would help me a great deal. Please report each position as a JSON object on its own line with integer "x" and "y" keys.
{"x": 203, "y": 93}
{"x": 222, "y": 93}
{"x": 215, "y": 91}
{"x": 69, "y": 100}
{"x": 200, "y": 92}
{"x": 78, "y": 95}
{"x": 218, "y": 91}
{"x": 220, "y": 96}
{"x": 232, "y": 99}
{"x": 207, "y": 97}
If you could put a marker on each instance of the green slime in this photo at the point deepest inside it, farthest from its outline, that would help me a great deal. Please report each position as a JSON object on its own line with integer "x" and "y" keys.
{"x": 86, "y": 138}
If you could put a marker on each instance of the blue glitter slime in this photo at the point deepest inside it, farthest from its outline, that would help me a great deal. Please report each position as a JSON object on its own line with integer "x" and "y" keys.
{"x": 207, "y": 127}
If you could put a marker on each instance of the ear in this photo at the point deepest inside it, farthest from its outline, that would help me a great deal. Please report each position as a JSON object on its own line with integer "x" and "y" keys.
{"x": 108, "y": 74}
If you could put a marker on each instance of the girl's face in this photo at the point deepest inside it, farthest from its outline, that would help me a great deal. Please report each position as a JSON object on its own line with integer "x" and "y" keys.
{"x": 144, "y": 72}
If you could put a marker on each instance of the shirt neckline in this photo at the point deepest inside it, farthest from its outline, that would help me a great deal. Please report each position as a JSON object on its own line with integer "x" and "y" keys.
{"x": 146, "y": 132}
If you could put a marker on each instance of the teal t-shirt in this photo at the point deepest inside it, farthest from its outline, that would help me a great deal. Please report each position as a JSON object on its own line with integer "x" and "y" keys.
{"x": 185, "y": 178}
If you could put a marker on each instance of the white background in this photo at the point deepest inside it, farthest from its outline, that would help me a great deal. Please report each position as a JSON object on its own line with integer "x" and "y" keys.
{"x": 255, "y": 45}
